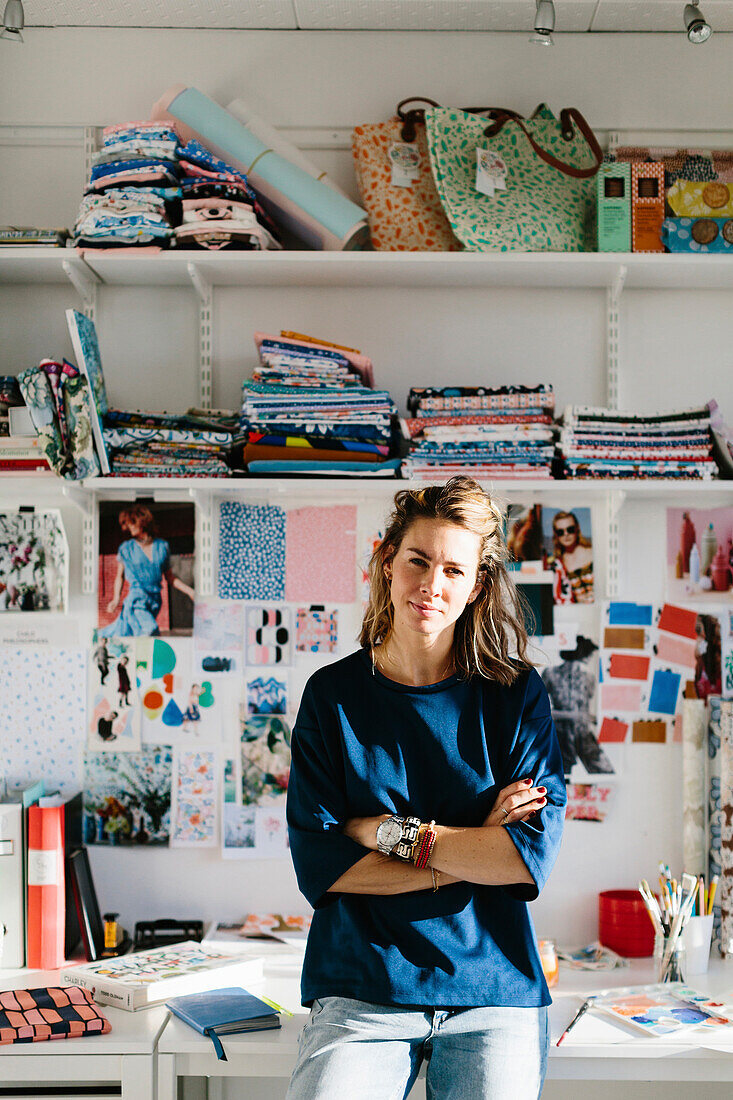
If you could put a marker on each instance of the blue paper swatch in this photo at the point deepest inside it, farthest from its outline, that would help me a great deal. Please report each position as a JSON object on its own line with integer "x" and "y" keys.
{"x": 251, "y": 552}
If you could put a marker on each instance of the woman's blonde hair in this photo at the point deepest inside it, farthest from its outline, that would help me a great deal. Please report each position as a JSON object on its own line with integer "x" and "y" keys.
{"x": 492, "y": 626}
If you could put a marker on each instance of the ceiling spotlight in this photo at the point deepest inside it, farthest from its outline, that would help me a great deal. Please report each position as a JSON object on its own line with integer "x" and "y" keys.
{"x": 13, "y": 21}
{"x": 697, "y": 29}
{"x": 544, "y": 23}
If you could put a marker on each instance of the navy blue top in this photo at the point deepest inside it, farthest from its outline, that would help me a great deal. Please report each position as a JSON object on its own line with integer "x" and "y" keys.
{"x": 364, "y": 745}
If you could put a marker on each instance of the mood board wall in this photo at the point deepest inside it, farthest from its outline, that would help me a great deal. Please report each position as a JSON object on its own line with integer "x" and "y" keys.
{"x": 674, "y": 343}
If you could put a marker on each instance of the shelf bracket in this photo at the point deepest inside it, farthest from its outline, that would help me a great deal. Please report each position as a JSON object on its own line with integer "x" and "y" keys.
{"x": 205, "y": 293}
{"x": 615, "y": 501}
{"x": 85, "y": 500}
{"x": 204, "y": 502}
{"x": 613, "y": 336}
{"x": 85, "y": 283}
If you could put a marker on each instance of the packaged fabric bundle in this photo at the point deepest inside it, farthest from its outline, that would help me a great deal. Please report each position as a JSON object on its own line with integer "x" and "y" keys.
{"x": 604, "y": 443}
{"x": 60, "y": 404}
{"x": 698, "y": 234}
{"x": 307, "y": 410}
{"x": 505, "y": 432}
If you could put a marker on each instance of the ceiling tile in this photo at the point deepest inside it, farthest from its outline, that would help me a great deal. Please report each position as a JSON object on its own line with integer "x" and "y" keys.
{"x": 658, "y": 15}
{"x": 242, "y": 14}
{"x": 437, "y": 15}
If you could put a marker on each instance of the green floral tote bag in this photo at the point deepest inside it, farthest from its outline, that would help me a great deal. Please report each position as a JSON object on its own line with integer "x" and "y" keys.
{"x": 513, "y": 184}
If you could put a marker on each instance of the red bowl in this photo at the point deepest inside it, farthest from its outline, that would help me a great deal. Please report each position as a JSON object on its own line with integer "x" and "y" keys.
{"x": 620, "y": 901}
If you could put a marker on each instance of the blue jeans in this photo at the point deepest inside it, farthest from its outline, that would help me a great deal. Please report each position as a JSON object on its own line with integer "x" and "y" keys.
{"x": 354, "y": 1050}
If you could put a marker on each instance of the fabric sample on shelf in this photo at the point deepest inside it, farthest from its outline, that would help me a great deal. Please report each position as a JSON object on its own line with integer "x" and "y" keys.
{"x": 251, "y": 552}
{"x": 694, "y": 752}
{"x": 312, "y": 574}
{"x": 715, "y": 800}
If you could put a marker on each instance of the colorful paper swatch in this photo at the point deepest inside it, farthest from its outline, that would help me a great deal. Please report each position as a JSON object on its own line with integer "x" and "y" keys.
{"x": 268, "y": 636}
{"x": 194, "y": 806}
{"x": 316, "y": 630}
{"x": 321, "y": 554}
{"x": 251, "y": 552}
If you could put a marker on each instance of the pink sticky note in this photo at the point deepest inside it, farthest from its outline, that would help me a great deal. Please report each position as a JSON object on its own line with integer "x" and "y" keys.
{"x": 320, "y": 555}
{"x": 678, "y": 650}
{"x": 621, "y": 697}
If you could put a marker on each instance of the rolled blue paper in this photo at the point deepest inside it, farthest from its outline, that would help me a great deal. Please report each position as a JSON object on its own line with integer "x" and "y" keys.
{"x": 339, "y": 215}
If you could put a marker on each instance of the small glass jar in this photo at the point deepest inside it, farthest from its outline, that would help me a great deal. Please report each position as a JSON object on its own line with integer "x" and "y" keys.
{"x": 548, "y": 958}
{"x": 669, "y": 966}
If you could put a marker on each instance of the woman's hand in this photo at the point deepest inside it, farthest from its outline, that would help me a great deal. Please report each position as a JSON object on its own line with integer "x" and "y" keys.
{"x": 517, "y": 802}
{"x": 364, "y": 830}
{"x": 112, "y": 607}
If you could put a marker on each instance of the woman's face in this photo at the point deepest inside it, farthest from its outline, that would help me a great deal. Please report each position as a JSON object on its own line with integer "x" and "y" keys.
{"x": 433, "y": 576}
{"x": 566, "y": 531}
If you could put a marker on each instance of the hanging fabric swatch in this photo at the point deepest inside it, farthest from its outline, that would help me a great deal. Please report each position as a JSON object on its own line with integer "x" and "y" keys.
{"x": 694, "y": 750}
{"x": 715, "y": 812}
{"x": 725, "y": 885}
{"x": 251, "y": 552}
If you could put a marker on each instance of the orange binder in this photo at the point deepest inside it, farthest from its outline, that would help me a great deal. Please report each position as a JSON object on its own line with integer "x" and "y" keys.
{"x": 46, "y": 905}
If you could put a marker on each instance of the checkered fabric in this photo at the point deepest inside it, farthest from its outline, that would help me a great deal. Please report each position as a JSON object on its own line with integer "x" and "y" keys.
{"x": 31, "y": 1015}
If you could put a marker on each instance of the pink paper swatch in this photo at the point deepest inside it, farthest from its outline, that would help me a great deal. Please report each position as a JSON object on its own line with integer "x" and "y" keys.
{"x": 320, "y": 556}
{"x": 621, "y": 697}
{"x": 678, "y": 650}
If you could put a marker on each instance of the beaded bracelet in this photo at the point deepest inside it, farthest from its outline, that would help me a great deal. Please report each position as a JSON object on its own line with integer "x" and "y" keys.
{"x": 424, "y": 849}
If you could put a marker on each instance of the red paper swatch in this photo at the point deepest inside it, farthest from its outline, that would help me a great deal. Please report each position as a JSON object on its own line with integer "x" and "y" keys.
{"x": 613, "y": 730}
{"x": 678, "y": 620}
{"x": 627, "y": 666}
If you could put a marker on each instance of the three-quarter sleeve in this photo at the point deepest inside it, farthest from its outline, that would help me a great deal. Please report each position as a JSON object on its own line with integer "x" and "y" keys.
{"x": 316, "y": 806}
{"x": 535, "y": 752}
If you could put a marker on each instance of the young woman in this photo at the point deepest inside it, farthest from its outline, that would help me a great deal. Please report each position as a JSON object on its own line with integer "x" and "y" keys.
{"x": 425, "y": 808}
{"x": 143, "y": 560}
{"x": 572, "y": 560}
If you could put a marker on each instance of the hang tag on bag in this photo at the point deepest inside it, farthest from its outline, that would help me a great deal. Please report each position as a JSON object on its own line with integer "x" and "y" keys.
{"x": 491, "y": 172}
{"x": 404, "y": 159}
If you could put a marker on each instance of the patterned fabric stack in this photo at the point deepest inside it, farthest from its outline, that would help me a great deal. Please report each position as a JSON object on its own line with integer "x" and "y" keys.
{"x": 602, "y": 443}
{"x": 309, "y": 409}
{"x": 504, "y": 432}
{"x": 132, "y": 194}
{"x": 220, "y": 209}
{"x": 196, "y": 444}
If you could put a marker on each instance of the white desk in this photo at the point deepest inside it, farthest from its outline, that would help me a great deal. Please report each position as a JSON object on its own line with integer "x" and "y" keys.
{"x": 183, "y": 1052}
{"x": 125, "y": 1056}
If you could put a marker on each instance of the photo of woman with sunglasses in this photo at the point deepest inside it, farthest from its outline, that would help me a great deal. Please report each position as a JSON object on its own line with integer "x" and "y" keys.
{"x": 571, "y": 559}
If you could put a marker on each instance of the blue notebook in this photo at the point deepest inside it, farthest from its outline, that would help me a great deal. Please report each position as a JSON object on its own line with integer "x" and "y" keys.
{"x": 224, "y": 1012}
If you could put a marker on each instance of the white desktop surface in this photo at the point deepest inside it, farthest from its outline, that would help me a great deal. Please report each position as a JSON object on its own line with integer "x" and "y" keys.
{"x": 590, "y": 1052}
{"x": 126, "y": 1055}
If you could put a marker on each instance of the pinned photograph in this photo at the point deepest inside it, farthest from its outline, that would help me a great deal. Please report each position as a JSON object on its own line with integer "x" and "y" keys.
{"x": 267, "y": 695}
{"x": 700, "y": 554}
{"x": 34, "y": 561}
{"x": 568, "y": 543}
{"x": 146, "y": 569}
{"x": 127, "y": 797}
{"x": 114, "y": 713}
{"x": 571, "y": 680}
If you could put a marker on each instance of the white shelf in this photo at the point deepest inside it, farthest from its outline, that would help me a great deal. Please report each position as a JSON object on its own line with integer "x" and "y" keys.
{"x": 373, "y": 269}
{"x": 47, "y": 486}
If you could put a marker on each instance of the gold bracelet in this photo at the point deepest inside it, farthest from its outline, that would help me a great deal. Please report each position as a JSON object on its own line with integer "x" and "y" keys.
{"x": 436, "y": 878}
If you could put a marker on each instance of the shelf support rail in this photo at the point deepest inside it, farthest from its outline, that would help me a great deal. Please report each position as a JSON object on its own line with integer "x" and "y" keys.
{"x": 615, "y": 501}
{"x": 86, "y": 502}
{"x": 206, "y": 300}
{"x": 613, "y": 336}
{"x": 204, "y": 541}
{"x": 85, "y": 283}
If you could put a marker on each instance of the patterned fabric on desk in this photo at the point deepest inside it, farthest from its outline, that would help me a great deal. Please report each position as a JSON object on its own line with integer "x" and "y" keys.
{"x": 31, "y": 1015}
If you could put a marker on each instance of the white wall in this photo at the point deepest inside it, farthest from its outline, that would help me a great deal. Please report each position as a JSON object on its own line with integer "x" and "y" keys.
{"x": 676, "y": 346}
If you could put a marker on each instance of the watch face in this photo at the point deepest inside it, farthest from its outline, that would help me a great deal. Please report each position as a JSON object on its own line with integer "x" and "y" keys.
{"x": 389, "y": 833}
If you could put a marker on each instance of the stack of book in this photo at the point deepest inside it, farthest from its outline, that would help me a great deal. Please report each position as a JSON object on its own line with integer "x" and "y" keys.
{"x": 603, "y": 443}
{"x": 20, "y": 450}
{"x": 309, "y": 408}
{"x": 30, "y": 235}
{"x": 502, "y": 432}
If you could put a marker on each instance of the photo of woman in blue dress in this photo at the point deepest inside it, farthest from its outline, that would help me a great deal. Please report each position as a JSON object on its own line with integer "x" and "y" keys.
{"x": 143, "y": 561}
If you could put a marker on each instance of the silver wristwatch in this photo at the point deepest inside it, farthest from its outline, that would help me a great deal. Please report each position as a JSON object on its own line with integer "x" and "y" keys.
{"x": 397, "y": 835}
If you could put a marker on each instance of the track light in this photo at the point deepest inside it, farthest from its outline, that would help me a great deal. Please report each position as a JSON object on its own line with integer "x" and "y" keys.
{"x": 13, "y": 21}
{"x": 697, "y": 29}
{"x": 544, "y": 23}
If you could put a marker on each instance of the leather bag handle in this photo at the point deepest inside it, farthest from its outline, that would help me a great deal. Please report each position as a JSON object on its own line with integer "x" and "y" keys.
{"x": 416, "y": 115}
{"x": 570, "y": 117}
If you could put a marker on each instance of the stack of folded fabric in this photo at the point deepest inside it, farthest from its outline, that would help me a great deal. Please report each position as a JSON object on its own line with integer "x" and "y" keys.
{"x": 504, "y": 432}
{"x": 219, "y": 208}
{"x": 194, "y": 444}
{"x": 10, "y": 398}
{"x": 133, "y": 196}
{"x": 310, "y": 409}
{"x": 603, "y": 443}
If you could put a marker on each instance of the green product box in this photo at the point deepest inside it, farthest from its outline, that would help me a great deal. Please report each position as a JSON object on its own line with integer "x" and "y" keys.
{"x": 613, "y": 201}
